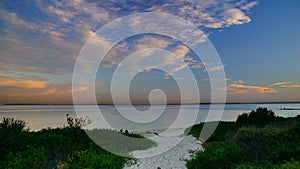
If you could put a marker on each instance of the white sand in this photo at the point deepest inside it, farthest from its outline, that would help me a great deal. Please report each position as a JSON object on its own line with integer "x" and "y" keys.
{"x": 158, "y": 156}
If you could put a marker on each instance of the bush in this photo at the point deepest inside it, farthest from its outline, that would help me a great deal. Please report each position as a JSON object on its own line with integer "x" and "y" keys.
{"x": 12, "y": 125}
{"x": 243, "y": 120}
{"x": 258, "y": 118}
{"x": 93, "y": 159}
{"x": 224, "y": 131}
{"x": 254, "y": 142}
{"x": 77, "y": 122}
{"x": 265, "y": 165}
{"x": 13, "y": 136}
{"x": 28, "y": 159}
{"x": 260, "y": 140}
{"x": 70, "y": 145}
{"x": 290, "y": 165}
{"x": 269, "y": 144}
{"x": 218, "y": 155}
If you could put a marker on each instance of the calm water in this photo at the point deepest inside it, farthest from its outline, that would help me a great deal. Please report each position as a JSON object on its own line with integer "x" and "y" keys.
{"x": 158, "y": 117}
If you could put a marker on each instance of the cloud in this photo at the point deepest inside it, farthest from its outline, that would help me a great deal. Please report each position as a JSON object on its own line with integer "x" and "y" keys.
{"x": 148, "y": 69}
{"x": 293, "y": 86}
{"x": 235, "y": 16}
{"x": 239, "y": 87}
{"x": 22, "y": 83}
{"x": 214, "y": 68}
{"x": 49, "y": 94}
{"x": 279, "y": 84}
{"x": 249, "y": 5}
{"x": 209, "y": 79}
{"x": 210, "y": 14}
{"x": 53, "y": 38}
{"x": 49, "y": 91}
{"x": 179, "y": 59}
{"x": 149, "y": 41}
{"x": 180, "y": 51}
{"x": 167, "y": 75}
{"x": 180, "y": 67}
{"x": 12, "y": 19}
{"x": 285, "y": 85}
{"x": 48, "y": 42}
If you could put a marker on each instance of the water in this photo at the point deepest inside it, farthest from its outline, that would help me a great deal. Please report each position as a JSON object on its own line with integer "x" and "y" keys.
{"x": 156, "y": 118}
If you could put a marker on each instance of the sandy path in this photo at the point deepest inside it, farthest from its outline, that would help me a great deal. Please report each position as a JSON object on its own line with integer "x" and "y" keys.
{"x": 173, "y": 158}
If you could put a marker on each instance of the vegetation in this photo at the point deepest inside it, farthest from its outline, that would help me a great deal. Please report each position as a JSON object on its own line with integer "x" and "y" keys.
{"x": 67, "y": 147}
{"x": 258, "y": 140}
{"x": 217, "y": 155}
{"x": 224, "y": 131}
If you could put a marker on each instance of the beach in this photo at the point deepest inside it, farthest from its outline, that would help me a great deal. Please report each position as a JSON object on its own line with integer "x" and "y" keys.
{"x": 171, "y": 151}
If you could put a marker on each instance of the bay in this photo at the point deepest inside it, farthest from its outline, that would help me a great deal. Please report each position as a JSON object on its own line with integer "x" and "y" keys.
{"x": 158, "y": 117}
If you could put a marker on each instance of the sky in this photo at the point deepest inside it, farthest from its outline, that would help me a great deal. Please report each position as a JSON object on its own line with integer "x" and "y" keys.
{"x": 256, "y": 41}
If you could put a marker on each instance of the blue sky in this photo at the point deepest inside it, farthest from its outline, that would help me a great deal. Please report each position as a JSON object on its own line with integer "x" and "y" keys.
{"x": 257, "y": 41}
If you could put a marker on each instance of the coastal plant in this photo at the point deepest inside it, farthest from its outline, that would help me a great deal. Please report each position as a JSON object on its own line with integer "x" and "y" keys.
{"x": 262, "y": 140}
{"x": 12, "y": 125}
{"x": 58, "y": 147}
{"x": 92, "y": 159}
{"x": 258, "y": 118}
{"x": 27, "y": 159}
{"x": 77, "y": 122}
{"x": 218, "y": 155}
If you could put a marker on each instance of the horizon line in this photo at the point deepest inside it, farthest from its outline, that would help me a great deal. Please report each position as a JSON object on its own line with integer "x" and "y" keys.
{"x": 205, "y": 103}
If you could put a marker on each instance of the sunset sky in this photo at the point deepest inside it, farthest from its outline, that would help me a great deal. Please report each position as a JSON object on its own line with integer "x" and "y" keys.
{"x": 258, "y": 43}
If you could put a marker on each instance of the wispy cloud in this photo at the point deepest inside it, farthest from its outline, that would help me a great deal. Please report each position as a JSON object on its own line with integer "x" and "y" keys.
{"x": 249, "y": 5}
{"x": 63, "y": 26}
{"x": 292, "y": 86}
{"x": 214, "y": 68}
{"x": 48, "y": 39}
{"x": 210, "y": 14}
{"x": 285, "y": 85}
{"x": 239, "y": 87}
{"x": 22, "y": 83}
{"x": 279, "y": 84}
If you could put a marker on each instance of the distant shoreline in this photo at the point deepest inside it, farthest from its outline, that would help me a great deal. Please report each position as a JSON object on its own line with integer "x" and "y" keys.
{"x": 58, "y": 104}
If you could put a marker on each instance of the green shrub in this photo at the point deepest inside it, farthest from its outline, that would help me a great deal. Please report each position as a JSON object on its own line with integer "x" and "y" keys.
{"x": 218, "y": 155}
{"x": 30, "y": 159}
{"x": 258, "y": 118}
{"x": 266, "y": 165}
{"x": 224, "y": 131}
{"x": 290, "y": 165}
{"x": 12, "y": 125}
{"x": 91, "y": 159}
{"x": 13, "y": 136}
{"x": 77, "y": 122}
{"x": 48, "y": 148}
{"x": 270, "y": 144}
{"x": 260, "y": 140}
